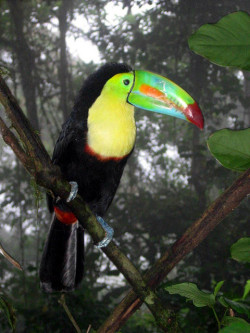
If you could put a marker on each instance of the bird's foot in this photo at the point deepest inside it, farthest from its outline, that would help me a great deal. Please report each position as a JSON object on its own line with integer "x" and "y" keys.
{"x": 73, "y": 191}
{"x": 109, "y": 232}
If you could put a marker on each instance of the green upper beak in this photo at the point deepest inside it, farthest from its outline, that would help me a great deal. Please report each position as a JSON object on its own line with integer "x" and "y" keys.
{"x": 156, "y": 93}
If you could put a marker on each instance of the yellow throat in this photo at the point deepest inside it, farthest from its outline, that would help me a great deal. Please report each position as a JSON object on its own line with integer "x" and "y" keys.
{"x": 111, "y": 124}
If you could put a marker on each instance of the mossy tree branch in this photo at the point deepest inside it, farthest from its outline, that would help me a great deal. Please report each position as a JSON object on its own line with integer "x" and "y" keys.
{"x": 31, "y": 152}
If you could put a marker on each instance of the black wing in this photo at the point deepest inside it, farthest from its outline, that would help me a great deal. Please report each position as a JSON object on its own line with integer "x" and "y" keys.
{"x": 72, "y": 131}
{"x": 63, "y": 143}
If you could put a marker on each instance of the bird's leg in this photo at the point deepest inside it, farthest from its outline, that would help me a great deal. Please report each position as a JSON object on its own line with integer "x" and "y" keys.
{"x": 109, "y": 232}
{"x": 73, "y": 191}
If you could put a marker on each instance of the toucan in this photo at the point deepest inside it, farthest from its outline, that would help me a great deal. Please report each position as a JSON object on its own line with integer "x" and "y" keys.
{"x": 92, "y": 150}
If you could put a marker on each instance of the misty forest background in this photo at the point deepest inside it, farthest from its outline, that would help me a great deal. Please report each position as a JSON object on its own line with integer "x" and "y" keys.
{"x": 168, "y": 182}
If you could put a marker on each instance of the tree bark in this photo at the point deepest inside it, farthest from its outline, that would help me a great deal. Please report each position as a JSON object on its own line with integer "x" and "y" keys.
{"x": 63, "y": 64}
{"x": 26, "y": 61}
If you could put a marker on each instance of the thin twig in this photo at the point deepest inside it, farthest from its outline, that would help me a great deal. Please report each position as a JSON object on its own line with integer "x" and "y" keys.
{"x": 62, "y": 301}
{"x": 89, "y": 328}
{"x": 10, "y": 258}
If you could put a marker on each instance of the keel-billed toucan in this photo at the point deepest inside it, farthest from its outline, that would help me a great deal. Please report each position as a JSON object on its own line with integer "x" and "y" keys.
{"x": 92, "y": 150}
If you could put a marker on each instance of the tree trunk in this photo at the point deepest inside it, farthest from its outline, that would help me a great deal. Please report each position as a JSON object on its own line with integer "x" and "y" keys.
{"x": 63, "y": 64}
{"x": 26, "y": 61}
{"x": 247, "y": 96}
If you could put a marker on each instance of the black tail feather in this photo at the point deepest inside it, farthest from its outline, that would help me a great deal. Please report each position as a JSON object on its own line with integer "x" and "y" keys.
{"x": 62, "y": 263}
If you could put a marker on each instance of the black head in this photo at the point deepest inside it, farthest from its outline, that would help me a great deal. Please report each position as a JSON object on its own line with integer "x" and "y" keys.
{"x": 94, "y": 84}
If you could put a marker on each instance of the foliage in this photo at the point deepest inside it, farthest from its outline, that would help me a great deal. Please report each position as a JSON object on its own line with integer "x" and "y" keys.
{"x": 192, "y": 293}
{"x": 226, "y": 42}
{"x": 239, "y": 327}
{"x": 201, "y": 299}
{"x": 240, "y": 306}
{"x": 240, "y": 250}
{"x": 8, "y": 311}
{"x": 231, "y": 148}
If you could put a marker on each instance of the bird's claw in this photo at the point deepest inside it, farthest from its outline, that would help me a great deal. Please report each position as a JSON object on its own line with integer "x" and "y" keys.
{"x": 73, "y": 191}
{"x": 109, "y": 232}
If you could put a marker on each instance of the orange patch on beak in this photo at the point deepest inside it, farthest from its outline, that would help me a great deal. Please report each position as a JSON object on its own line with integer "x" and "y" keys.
{"x": 152, "y": 92}
{"x": 159, "y": 95}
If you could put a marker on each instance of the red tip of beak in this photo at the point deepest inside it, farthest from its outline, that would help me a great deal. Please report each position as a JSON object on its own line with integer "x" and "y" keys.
{"x": 194, "y": 115}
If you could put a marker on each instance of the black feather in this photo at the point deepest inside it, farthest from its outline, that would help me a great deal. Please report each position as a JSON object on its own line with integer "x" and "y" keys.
{"x": 63, "y": 253}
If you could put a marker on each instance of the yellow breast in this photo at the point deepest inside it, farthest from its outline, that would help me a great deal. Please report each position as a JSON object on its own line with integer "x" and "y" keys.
{"x": 111, "y": 126}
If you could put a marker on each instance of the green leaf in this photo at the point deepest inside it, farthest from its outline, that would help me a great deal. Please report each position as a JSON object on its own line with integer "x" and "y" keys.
{"x": 226, "y": 43}
{"x": 246, "y": 289}
{"x": 222, "y": 302}
{"x": 231, "y": 148}
{"x": 227, "y": 320}
{"x": 8, "y": 311}
{"x": 237, "y": 327}
{"x": 217, "y": 287}
{"x": 191, "y": 292}
{"x": 242, "y": 307}
{"x": 240, "y": 250}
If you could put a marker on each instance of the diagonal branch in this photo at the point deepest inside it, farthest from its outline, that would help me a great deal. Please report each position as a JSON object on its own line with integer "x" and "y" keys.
{"x": 48, "y": 175}
{"x": 193, "y": 236}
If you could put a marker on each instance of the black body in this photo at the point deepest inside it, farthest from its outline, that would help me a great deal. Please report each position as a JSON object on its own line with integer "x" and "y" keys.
{"x": 62, "y": 261}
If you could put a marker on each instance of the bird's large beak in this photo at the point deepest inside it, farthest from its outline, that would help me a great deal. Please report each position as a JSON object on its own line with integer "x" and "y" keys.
{"x": 156, "y": 93}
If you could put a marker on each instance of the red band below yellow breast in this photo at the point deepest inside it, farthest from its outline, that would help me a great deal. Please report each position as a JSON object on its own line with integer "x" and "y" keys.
{"x": 90, "y": 151}
{"x": 65, "y": 217}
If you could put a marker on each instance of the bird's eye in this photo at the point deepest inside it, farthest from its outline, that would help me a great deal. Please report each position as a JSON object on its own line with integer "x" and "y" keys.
{"x": 126, "y": 82}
